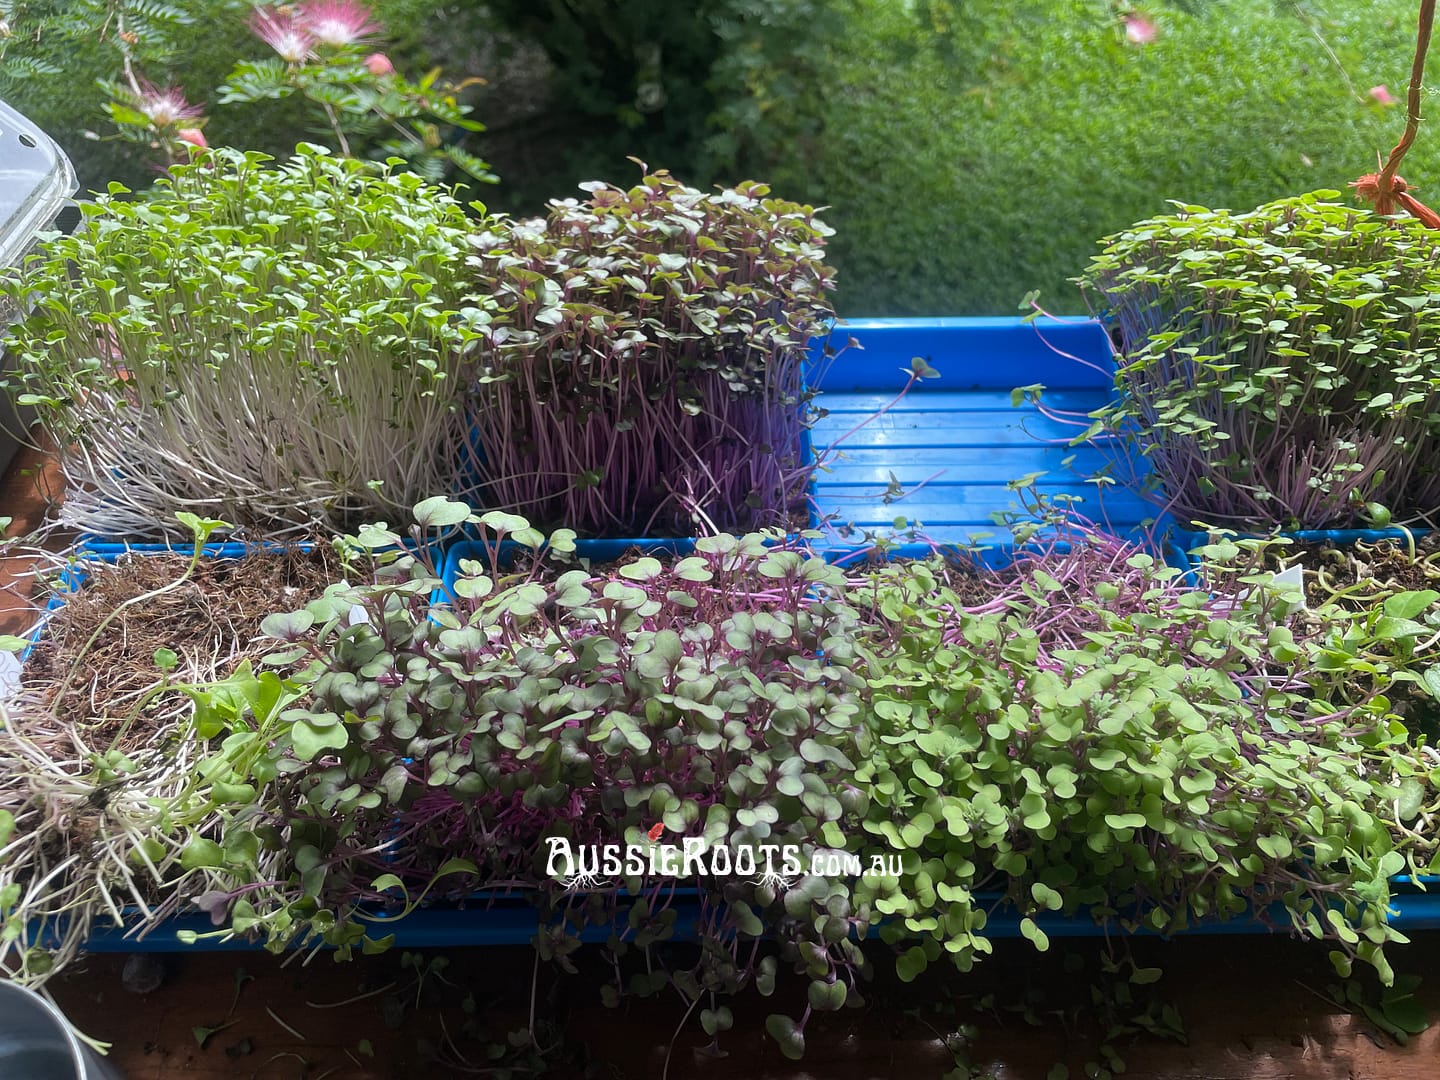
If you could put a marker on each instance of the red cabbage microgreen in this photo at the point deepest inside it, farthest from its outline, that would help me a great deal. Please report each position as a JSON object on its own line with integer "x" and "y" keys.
{"x": 646, "y": 374}
{"x": 1276, "y": 366}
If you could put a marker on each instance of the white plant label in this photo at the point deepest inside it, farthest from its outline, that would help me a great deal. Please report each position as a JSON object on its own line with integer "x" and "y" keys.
{"x": 9, "y": 675}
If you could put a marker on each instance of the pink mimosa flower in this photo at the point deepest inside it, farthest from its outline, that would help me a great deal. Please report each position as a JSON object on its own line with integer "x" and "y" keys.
{"x": 283, "y": 32}
{"x": 166, "y": 107}
{"x": 1140, "y": 30}
{"x": 379, "y": 64}
{"x": 337, "y": 22}
{"x": 1381, "y": 95}
{"x": 194, "y": 136}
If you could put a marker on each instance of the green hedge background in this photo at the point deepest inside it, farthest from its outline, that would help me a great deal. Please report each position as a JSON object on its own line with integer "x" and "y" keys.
{"x": 968, "y": 168}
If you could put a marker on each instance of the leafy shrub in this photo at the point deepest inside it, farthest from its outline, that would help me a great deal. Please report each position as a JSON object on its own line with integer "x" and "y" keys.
{"x": 56, "y": 55}
{"x": 1277, "y": 366}
{"x": 710, "y": 88}
{"x": 270, "y": 344}
{"x": 1094, "y": 735}
{"x": 71, "y": 65}
{"x": 645, "y": 369}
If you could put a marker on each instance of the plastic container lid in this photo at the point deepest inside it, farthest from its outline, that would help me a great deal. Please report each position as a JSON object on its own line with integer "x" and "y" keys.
{"x": 36, "y": 180}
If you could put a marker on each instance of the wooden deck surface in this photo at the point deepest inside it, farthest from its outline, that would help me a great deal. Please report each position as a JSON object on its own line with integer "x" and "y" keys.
{"x": 1252, "y": 1010}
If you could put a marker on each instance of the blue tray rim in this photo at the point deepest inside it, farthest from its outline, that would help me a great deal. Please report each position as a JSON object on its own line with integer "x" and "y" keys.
{"x": 514, "y": 921}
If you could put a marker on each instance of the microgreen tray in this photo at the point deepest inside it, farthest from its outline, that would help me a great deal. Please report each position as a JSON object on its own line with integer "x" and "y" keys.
{"x": 510, "y": 919}
{"x": 943, "y": 455}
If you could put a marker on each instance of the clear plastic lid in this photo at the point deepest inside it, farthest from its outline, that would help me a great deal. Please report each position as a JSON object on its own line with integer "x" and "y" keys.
{"x": 36, "y": 180}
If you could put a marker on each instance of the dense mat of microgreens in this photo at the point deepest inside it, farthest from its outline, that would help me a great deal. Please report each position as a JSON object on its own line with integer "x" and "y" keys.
{"x": 1276, "y": 366}
{"x": 1370, "y": 611}
{"x": 1083, "y": 735}
{"x": 646, "y": 371}
{"x": 272, "y": 344}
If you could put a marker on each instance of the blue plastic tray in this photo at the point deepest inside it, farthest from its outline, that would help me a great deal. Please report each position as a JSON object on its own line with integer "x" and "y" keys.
{"x": 943, "y": 455}
{"x": 513, "y": 920}
{"x": 232, "y": 549}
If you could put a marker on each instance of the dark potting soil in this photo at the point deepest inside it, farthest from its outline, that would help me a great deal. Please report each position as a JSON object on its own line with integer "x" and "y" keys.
{"x": 1355, "y": 576}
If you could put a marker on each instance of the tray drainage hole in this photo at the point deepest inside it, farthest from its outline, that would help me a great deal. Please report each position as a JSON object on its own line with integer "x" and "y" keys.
{"x": 26, "y": 140}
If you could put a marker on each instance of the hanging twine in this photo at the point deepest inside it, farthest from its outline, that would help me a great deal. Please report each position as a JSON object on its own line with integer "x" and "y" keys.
{"x": 1386, "y": 190}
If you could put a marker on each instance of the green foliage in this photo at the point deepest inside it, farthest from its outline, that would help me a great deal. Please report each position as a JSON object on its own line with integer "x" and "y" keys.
{"x": 275, "y": 344}
{"x": 1150, "y": 755}
{"x": 973, "y": 156}
{"x": 1372, "y": 646}
{"x": 969, "y": 152}
{"x": 1133, "y": 754}
{"x": 644, "y": 370}
{"x": 1393, "y": 1009}
{"x": 711, "y": 699}
{"x": 1277, "y": 365}
{"x": 708, "y": 88}
{"x": 63, "y": 64}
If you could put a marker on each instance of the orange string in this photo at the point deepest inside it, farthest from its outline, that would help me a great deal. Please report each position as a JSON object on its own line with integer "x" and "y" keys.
{"x": 1385, "y": 189}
